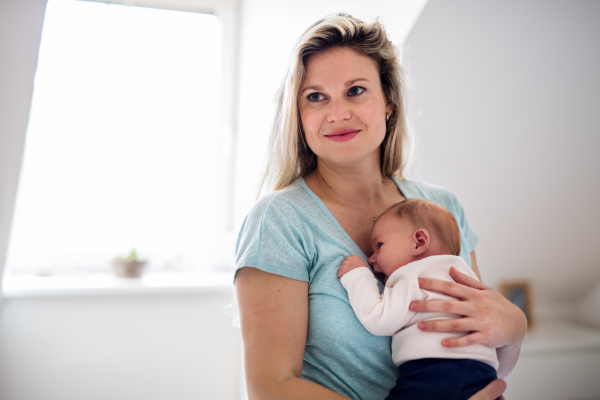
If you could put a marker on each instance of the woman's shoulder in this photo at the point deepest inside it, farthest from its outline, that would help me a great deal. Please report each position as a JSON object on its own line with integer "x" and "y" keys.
{"x": 293, "y": 205}
{"x": 275, "y": 236}
{"x": 414, "y": 188}
{"x": 289, "y": 200}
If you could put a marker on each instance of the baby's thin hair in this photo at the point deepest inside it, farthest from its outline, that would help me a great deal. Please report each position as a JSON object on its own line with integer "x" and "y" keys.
{"x": 438, "y": 221}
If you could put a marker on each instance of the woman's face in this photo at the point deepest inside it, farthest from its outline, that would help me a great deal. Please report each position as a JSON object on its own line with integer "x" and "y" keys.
{"x": 343, "y": 108}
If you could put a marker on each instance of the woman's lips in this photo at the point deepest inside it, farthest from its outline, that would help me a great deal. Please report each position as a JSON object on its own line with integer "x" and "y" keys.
{"x": 343, "y": 135}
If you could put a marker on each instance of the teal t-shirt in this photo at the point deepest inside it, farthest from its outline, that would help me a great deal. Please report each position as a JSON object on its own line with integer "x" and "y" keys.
{"x": 291, "y": 233}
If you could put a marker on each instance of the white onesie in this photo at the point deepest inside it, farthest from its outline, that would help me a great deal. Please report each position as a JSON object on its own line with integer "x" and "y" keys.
{"x": 387, "y": 314}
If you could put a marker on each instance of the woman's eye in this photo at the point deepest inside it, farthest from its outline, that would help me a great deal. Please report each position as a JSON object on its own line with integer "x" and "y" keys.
{"x": 379, "y": 245}
{"x": 314, "y": 97}
{"x": 356, "y": 90}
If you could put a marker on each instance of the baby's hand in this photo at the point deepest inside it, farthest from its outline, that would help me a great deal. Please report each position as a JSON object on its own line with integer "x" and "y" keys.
{"x": 350, "y": 263}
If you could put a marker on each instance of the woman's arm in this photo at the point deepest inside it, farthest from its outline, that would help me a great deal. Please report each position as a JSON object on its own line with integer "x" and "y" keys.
{"x": 274, "y": 321}
{"x": 508, "y": 355}
{"x": 492, "y": 320}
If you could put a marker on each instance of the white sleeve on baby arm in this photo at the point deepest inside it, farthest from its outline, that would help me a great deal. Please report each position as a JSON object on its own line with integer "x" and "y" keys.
{"x": 382, "y": 314}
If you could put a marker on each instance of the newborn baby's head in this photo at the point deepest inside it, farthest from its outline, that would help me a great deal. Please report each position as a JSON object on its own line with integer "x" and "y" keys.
{"x": 409, "y": 231}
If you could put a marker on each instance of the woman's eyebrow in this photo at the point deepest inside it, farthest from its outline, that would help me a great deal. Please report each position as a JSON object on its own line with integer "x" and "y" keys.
{"x": 353, "y": 81}
{"x": 315, "y": 88}
{"x": 348, "y": 84}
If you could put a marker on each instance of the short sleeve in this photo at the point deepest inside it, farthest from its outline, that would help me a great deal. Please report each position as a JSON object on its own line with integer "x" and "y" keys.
{"x": 459, "y": 213}
{"x": 272, "y": 240}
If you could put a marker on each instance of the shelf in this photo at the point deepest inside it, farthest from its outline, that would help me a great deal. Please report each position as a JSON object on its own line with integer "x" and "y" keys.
{"x": 556, "y": 335}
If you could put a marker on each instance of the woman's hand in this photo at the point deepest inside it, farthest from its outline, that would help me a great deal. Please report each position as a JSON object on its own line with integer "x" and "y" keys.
{"x": 491, "y": 319}
{"x": 491, "y": 391}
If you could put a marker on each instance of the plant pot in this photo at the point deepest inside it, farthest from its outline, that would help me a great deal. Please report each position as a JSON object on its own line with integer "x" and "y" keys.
{"x": 128, "y": 269}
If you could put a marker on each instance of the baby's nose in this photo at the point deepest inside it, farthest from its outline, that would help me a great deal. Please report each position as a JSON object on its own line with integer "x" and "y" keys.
{"x": 372, "y": 260}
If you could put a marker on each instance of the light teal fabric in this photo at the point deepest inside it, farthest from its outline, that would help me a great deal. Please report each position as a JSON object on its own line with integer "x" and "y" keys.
{"x": 292, "y": 233}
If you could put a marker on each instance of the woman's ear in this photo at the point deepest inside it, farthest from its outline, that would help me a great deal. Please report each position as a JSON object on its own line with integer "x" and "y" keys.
{"x": 389, "y": 109}
{"x": 421, "y": 241}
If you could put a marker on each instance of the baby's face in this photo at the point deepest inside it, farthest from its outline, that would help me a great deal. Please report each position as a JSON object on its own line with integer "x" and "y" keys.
{"x": 391, "y": 244}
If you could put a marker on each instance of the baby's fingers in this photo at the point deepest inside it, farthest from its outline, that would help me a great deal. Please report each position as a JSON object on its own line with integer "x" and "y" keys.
{"x": 349, "y": 264}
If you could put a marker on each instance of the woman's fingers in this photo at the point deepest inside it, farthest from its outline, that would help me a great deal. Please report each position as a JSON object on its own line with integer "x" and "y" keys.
{"x": 491, "y": 391}
{"x": 497, "y": 320}
{"x": 467, "y": 340}
{"x": 442, "y": 306}
{"x": 466, "y": 280}
{"x": 455, "y": 325}
{"x": 449, "y": 325}
{"x": 450, "y": 288}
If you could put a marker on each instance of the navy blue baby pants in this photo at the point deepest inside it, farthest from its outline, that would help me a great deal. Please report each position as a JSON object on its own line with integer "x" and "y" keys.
{"x": 441, "y": 378}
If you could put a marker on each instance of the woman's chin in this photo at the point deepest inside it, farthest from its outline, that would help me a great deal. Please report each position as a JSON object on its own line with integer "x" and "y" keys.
{"x": 351, "y": 159}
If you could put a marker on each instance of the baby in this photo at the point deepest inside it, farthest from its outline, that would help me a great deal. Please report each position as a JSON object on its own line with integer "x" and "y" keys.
{"x": 412, "y": 239}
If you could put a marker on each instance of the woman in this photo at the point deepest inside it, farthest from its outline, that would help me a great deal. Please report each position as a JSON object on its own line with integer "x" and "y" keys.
{"x": 337, "y": 154}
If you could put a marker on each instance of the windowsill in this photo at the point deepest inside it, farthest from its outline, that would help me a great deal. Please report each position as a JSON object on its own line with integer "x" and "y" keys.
{"x": 152, "y": 283}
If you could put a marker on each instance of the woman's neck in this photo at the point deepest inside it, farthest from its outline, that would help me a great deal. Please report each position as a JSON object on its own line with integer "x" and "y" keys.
{"x": 357, "y": 187}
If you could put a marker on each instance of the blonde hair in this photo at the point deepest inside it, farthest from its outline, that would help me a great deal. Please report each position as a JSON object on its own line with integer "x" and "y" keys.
{"x": 438, "y": 221}
{"x": 289, "y": 156}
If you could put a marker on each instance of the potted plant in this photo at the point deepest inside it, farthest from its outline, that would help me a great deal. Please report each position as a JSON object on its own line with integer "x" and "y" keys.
{"x": 130, "y": 266}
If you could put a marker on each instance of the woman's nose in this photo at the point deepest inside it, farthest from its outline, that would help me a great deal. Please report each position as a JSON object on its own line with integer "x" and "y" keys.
{"x": 339, "y": 111}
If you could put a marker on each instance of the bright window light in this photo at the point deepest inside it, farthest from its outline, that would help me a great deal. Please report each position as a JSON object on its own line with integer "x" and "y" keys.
{"x": 123, "y": 141}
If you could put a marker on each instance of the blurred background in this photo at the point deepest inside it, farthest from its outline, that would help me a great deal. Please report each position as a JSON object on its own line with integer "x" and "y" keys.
{"x": 145, "y": 124}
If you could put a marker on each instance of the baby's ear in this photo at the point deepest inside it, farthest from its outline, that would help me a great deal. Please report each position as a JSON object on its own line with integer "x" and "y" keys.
{"x": 421, "y": 241}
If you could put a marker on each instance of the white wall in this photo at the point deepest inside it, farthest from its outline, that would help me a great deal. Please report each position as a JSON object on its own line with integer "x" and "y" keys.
{"x": 134, "y": 347}
{"x": 555, "y": 375}
{"x": 507, "y": 99}
{"x": 20, "y": 34}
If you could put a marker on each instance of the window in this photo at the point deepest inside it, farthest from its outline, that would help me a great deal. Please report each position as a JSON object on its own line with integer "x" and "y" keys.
{"x": 123, "y": 141}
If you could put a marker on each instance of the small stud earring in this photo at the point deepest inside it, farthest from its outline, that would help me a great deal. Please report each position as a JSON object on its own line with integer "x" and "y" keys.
{"x": 387, "y": 117}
